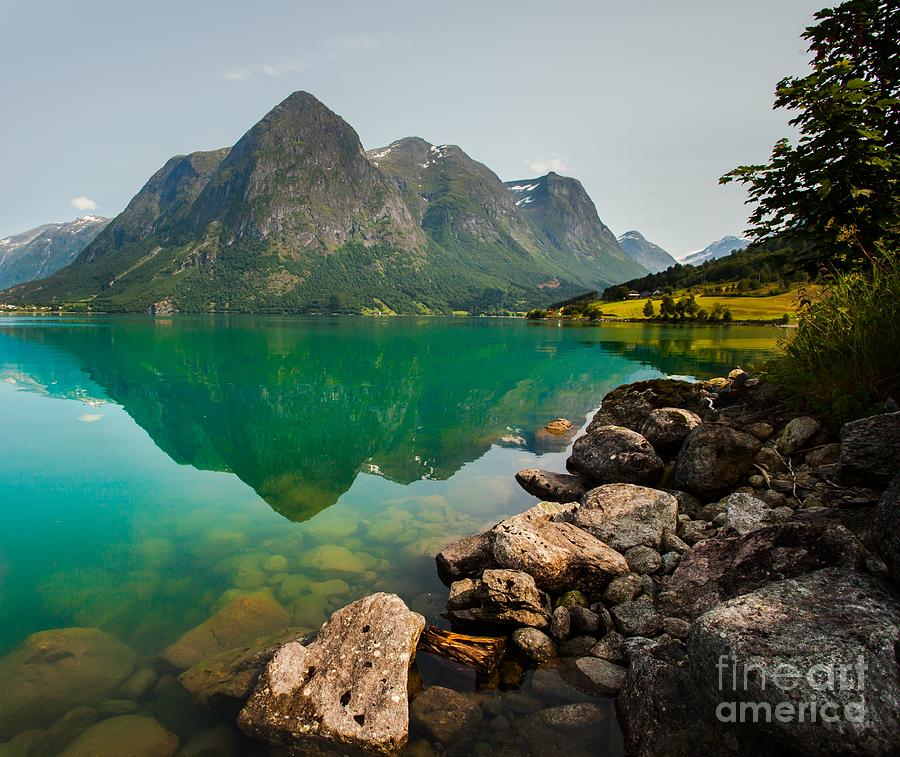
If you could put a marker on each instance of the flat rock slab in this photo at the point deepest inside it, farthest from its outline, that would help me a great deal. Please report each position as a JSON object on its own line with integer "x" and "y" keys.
{"x": 559, "y": 556}
{"x": 838, "y": 630}
{"x": 240, "y": 622}
{"x": 345, "y": 693}
{"x": 718, "y": 569}
{"x": 553, "y": 487}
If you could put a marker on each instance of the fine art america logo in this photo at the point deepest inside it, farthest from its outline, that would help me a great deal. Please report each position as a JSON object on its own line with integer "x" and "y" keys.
{"x": 826, "y": 692}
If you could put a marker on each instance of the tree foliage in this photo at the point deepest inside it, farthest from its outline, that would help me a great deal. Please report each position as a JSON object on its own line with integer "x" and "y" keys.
{"x": 838, "y": 185}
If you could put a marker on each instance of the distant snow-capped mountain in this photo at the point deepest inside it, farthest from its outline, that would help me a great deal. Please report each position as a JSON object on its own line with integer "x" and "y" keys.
{"x": 38, "y": 252}
{"x": 653, "y": 257}
{"x": 718, "y": 249}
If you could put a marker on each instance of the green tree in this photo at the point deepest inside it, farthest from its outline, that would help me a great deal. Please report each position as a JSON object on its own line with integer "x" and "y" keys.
{"x": 838, "y": 185}
{"x": 649, "y": 310}
{"x": 667, "y": 306}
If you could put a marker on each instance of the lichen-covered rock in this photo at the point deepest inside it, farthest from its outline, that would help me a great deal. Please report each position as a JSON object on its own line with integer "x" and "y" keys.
{"x": 713, "y": 459}
{"x": 444, "y": 713}
{"x": 613, "y": 454}
{"x": 560, "y": 624}
{"x": 346, "y": 691}
{"x": 718, "y": 569}
{"x": 644, "y": 560}
{"x": 623, "y": 588}
{"x": 52, "y": 672}
{"x": 796, "y": 434}
{"x": 745, "y": 513}
{"x": 465, "y": 558}
{"x": 637, "y": 617}
{"x": 886, "y": 528}
{"x": 239, "y": 623}
{"x": 625, "y": 515}
{"x": 553, "y": 487}
{"x": 535, "y": 644}
{"x": 667, "y": 427}
{"x": 630, "y": 404}
{"x": 870, "y": 449}
{"x": 558, "y": 555}
{"x": 827, "y": 639}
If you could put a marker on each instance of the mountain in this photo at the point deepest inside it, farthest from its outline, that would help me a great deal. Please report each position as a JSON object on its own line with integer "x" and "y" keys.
{"x": 297, "y": 217}
{"x": 560, "y": 210}
{"x": 653, "y": 257}
{"x": 43, "y": 250}
{"x": 718, "y": 249}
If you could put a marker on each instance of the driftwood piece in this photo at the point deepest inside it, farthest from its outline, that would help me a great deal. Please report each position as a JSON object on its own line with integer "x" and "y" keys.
{"x": 483, "y": 653}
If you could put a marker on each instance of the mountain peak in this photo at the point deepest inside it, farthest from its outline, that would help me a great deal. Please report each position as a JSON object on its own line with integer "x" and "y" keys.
{"x": 653, "y": 257}
{"x": 718, "y": 249}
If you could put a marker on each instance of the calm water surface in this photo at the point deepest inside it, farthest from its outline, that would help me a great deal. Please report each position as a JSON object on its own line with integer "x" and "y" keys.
{"x": 149, "y": 469}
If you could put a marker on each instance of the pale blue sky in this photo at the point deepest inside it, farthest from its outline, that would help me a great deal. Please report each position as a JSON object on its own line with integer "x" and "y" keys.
{"x": 647, "y": 102}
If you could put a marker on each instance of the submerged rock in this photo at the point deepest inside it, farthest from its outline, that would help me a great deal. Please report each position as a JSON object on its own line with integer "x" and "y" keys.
{"x": 553, "y": 487}
{"x": 55, "y": 671}
{"x": 346, "y": 691}
{"x": 535, "y": 644}
{"x": 126, "y": 734}
{"x": 240, "y": 622}
{"x": 718, "y": 569}
{"x": 826, "y": 640}
{"x": 713, "y": 459}
{"x": 231, "y": 676}
{"x": 444, "y": 713}
{"x": 613, "y": 454}
{"x": 625, "y": 515}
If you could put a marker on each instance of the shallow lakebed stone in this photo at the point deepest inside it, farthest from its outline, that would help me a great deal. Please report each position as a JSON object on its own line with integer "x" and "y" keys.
{"x": 239, "y": 623}
{"x": 347, "y": 690}
{"x": 54, "y": 671}
{"x": 125, "y": 734}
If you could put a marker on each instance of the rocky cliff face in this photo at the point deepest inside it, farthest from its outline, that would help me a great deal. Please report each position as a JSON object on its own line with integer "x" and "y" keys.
{"x": 560, "y": 210}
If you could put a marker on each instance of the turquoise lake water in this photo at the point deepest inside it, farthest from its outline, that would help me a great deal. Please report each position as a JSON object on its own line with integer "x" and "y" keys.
{"x": 150, "y": 468}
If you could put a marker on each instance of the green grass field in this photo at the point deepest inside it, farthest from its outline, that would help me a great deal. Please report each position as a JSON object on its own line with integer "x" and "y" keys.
{"x": 745, "y": 307}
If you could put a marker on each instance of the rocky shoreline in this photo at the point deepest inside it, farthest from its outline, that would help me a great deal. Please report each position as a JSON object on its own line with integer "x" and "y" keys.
{"x": 706, "y": 551}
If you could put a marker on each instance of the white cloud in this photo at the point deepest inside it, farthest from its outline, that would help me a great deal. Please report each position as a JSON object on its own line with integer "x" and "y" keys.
{"x": 553, "y": 163}
{"x": 340, "y": 47}
{"x": 83, "y": 203}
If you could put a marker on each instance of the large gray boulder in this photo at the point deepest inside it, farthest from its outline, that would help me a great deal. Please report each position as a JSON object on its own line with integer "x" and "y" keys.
{"x": 870, "y": 449}
{"x": 713, "y": 459}
{"x": 553, "y": 487}
{"x": 717, "y": 569}
{"x": 612, "y": 454}
{"x": 560, "y": 556}
{"x": 886, "y": 528}
{"x": 52, "y": 672}
{"x": 667, "y": 427}
{"x": 465, "y": 558}
{"x": 630, "y": 404}
{"x": 504, "y": 597}
{"x": 347, "y": 690}
{"x": 827, "y": 640}
{"x": 625, "y": 515}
